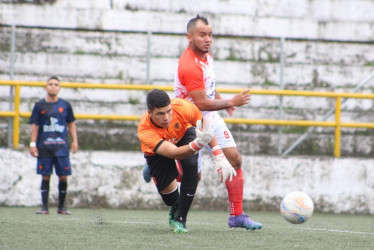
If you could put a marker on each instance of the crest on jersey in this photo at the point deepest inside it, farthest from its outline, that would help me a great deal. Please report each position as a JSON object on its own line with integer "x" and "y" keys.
{"x": 176, "y": 125}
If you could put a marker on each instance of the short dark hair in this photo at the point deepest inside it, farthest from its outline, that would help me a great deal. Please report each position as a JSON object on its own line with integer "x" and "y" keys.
{"x": 53, "y": 78}
{"x": 157, "y": 98}
{"x": 191, "y": 25}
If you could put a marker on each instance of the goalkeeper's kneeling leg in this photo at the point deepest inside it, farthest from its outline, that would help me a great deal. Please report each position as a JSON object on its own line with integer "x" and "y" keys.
{"x": 170, "y": 198}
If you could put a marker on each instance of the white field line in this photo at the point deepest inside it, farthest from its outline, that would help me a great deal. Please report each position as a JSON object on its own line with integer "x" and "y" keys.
{"x": 337, "y": 231}
{"x": 102, "y": 220}
{"x": 99, "y": 220}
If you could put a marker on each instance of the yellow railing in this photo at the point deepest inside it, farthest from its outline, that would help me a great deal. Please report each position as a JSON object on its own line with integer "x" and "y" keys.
{"x": 16, "y": 113}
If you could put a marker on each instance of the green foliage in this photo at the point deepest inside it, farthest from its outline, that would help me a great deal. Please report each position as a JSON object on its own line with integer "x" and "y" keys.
{"x": 5, "y": 47}
{"x": 134, "y": 100}
{"x": 233, "y": 57}
{"x": 82, "y": 52}
{"x": 79, "y": 52}
{"x": 264, "y": 55}
{"x": 294, "y": 129}
{"x": 120, "y": 75}
{"x": 269, "y": 83}
{"x": 370, "y": 64}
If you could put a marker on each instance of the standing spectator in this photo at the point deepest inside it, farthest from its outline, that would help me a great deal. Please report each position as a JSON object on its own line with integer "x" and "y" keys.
{"x": 196, "y": 81}
{"x": 50, "y": 120}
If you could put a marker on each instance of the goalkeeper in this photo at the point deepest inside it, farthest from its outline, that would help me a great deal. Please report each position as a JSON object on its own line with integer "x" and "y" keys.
{"x": 167, "y": 133}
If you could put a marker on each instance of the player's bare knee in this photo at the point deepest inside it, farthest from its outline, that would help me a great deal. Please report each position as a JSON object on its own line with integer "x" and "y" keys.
{"x": 46, "y": 177}
{"x": 63, "y": 179}
{"x": 170, "y": 188}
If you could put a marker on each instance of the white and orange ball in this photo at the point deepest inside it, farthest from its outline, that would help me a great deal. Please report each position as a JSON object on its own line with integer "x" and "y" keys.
{"x": 296, "y": 207}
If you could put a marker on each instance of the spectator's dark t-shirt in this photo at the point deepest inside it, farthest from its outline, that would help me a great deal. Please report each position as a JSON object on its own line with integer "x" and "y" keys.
{"x": 52, "y": 119}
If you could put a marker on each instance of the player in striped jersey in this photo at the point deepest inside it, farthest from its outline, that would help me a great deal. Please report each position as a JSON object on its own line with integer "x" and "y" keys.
{"x": 196, "y": 81}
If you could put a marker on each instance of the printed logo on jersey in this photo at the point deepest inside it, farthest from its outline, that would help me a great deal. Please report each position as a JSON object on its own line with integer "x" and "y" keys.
{"x": 43, "y": 112}
{"x": 54, "y": 127}
{"x": 40, "y": 167}
{"x": 176, "y": 125}
{"x": 50, "y": 141}
{"x": 211, "y": 95}
{"x": 60, "y": 109}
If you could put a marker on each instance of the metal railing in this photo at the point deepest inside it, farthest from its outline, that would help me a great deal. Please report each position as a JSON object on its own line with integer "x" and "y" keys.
{"x": 16, "y": 114}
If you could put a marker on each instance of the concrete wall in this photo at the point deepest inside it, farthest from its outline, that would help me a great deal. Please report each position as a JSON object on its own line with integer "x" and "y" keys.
{"x": 329, "y": 43}
{"x": 114, "y": 179}
{"x": 328, "y": 47}
{"x": 332, "y": 19}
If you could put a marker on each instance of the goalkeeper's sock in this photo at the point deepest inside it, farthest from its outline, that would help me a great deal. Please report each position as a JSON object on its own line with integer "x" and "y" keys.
{"x": 187, "y": 191}
{"x": 235, "y": 192}
{"x": 170, "y": 198}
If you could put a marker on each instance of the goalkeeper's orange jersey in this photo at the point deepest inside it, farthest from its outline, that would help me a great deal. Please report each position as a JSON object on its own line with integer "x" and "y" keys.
{"x": 184, "y": 115}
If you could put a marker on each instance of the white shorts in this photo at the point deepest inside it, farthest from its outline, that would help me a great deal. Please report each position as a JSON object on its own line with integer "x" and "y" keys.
{"x": 223, "y": 135}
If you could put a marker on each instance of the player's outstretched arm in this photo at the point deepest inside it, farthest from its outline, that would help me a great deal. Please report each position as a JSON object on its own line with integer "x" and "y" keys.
{"x": 205, "y": 104}
{"x": 171, "y": 151}
{"x": 204, "y": 134}
{"x": 242, "y": 98}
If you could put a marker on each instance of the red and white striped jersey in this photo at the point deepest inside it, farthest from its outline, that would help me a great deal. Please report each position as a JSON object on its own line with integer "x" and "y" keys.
{"x": 195, "y": 74}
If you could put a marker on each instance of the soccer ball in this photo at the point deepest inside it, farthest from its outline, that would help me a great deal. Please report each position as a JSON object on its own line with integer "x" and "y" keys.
{"x": 296, "y": 207}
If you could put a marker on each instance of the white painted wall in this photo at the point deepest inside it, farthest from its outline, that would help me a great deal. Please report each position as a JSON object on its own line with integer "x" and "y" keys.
{"x": 114, "y": 179}
{"x": 333, "y": 40}
{"x": 332, "y": 19}
{"x": 330, "y": 49}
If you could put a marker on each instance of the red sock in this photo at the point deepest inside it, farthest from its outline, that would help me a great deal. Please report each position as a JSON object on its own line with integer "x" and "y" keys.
{"x": 180, "y": 170}
{"x": 235, "y": 192}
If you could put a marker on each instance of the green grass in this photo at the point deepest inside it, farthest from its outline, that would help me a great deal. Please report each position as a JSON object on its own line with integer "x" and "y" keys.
{"x": 21, "y": 228}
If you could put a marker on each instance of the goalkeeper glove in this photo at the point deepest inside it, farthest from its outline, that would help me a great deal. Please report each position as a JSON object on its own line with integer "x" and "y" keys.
{"x": 204, "y": 134}
{"x": 222, "y": 165}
